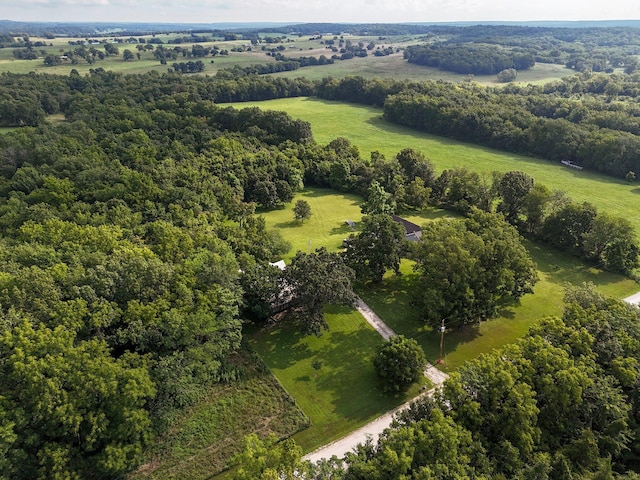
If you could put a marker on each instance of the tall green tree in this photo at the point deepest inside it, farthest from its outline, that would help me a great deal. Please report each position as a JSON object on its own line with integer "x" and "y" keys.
{"x": 414, "y": 164}
{"x": 377, "y": 248}
{"x": 611, "y": 242}
{"x": 467, "y": 267}
{"x": 513, "y": 188}
{"x": 378, "y": 201}
{"x": 302, "y": 210}
{"x": 315, "y": 280}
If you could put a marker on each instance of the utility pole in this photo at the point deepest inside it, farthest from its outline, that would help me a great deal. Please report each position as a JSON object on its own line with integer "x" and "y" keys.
{"x": 440, "y": 361}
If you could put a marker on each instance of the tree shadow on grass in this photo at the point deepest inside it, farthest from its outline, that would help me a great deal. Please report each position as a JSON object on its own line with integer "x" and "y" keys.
{"x": 281, "y": 346}
{"x": 348, "y": 377}
{"x": 561, "y": 268}
{"x": 317, "y": 192}
{"x": 343, "y": 229}
{"x": 290, "y": 224}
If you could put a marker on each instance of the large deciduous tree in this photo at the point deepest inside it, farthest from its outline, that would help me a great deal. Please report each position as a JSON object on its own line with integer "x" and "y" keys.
{"x": 377, "y": 248}
{"x": 513, "y": 188}
{"x": 315, "y": 280}
{"x": 301, "y": 210}
{"x": 467, "y": 267}
{"x": 378, "y": 201}
{"x": 611, "y": 242}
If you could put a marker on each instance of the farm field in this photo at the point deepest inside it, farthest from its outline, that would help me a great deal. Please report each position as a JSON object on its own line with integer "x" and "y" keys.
{"x": 366, "y": 129}
{"x": 392, "y": 66}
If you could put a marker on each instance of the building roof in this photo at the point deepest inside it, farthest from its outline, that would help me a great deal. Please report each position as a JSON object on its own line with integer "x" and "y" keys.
{"x": 409, "y": 227}
{"x": 280, "y": 264}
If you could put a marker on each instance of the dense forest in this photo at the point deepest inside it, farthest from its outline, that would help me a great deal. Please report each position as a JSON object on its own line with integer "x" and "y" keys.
{"x": 126, "y": 229}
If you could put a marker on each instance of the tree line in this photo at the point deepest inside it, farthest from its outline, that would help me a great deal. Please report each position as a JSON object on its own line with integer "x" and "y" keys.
{"x": 469, "y": 58}
{"x": 597, "y": 134}
{"x": 544, "y": 121}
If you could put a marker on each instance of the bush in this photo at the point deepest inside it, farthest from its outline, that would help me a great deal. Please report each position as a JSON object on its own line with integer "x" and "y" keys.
{"x": 399, "y": 363}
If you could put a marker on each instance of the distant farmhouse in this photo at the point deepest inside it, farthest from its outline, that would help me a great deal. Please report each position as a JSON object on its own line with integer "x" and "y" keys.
{"x": 413, "y": 232}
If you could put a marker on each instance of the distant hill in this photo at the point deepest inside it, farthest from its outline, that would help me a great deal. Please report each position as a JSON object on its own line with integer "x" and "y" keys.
{"x": 126, "y": 28}
{"x": 100, "y": 28}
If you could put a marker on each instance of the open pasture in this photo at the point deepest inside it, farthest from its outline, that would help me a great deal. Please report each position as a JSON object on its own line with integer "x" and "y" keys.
{"x": 326, "y": 227}
{"x": 366, "y": 129}
{"x": 392, "y": 66}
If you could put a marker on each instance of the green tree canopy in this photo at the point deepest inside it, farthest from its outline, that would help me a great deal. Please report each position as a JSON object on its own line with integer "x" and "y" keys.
{"x": 378, "y": 201}
{"x": 399, "y": 362}
{"x": 315, "y": 280}
{"x": 301, "y": 210}
{"x": 74, "y": 409}
{"x": 468, "y": 266}
{"x": 377, "y": 248}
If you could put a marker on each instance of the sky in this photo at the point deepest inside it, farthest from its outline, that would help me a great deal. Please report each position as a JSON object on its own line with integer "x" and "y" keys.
{"x": 304, "y": 11}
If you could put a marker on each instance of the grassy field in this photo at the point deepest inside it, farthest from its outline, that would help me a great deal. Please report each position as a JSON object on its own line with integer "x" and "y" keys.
{"x": 365, "y": 128}
{"x": 326, "y": 227}
{"x": 331, "y": 377}
{"x": 396, "y": 67}
{"x": 392, "y": 66}
{"x": 391, "y": 300}
{"x": 205, "y": 438}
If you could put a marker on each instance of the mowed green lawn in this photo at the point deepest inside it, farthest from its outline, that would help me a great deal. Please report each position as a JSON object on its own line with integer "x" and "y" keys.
{"x": 331, "y": 377}
{"x": 365, "y": 128}
{"x": 326, "y": 227}
{"x": 392, "y": 299}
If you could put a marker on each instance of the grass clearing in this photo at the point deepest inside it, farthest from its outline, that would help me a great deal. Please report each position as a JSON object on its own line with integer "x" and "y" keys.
{"x": 205, "y": 438}
{"x": 391, "y": 300}
{"x": 325, "y": 228}
{"x": 366, "y": 129}
{"x": 343, "y": 393}
{"x": 394, "y": 66}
